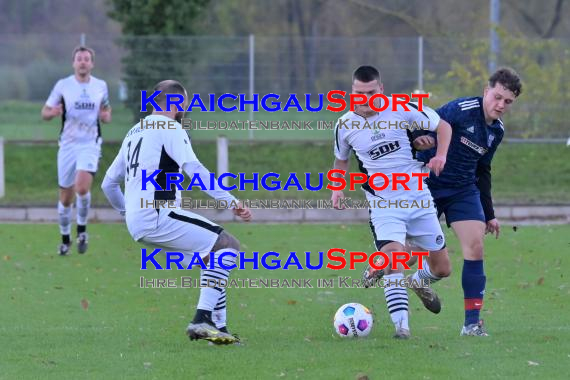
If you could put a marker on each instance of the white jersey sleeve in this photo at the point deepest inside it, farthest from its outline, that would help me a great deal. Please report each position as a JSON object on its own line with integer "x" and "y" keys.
{"x": 117, "y": 170}
{"x": 341, "y": 147}
{"x": 55, "y": 96}
{"x": 177, "y": 145}
{"x": 217, "y": 193}
{"x": 417, "y": 117}
{"x": 111, "y": 185}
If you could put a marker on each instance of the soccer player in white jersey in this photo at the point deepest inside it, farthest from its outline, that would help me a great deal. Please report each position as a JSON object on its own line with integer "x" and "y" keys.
{"x": 389, "y": 151}
{"x": 169, "y": 149}
{"x": 82, "y": 101}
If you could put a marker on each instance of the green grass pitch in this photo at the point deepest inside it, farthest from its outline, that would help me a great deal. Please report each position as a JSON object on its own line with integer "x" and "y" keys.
{"x": 85, "y": 317}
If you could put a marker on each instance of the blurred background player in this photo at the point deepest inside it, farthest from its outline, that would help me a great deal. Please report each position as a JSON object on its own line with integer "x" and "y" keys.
{"x": 82, "y": 101}
{"x": 463, "y": 190}
{"x": 390, "y": 151}
{"x": 174, "y": 229}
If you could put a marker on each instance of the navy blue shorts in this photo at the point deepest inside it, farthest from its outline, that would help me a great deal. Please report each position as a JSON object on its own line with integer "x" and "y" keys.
{"x": 463, "y": 205}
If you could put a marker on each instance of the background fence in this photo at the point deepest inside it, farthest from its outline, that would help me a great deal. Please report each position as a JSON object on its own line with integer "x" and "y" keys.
{"x": 445, "y": 67}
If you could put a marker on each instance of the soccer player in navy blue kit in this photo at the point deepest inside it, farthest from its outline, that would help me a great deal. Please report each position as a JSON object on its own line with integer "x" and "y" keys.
{"x": 463, "y": 190}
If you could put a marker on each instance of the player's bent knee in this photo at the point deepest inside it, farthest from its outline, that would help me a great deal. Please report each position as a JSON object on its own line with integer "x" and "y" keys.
{"x": 81, "y": 189}
{"x": 442, "y": 270}
{"x": 389, "y": 249}
{"x": 226, "y": 240}
{"x": 228, "y": 261}
{"x": 475, "y": 250}
{"x": 440, "y": 265}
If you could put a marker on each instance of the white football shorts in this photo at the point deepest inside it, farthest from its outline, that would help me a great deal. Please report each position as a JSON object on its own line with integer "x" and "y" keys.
{"x": 70, "y": 159}
{"x": 183, "y": 231}
{"x": 417, "y": 222}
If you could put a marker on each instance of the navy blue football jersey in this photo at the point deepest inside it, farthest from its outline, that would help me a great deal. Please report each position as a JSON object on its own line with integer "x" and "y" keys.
{"x": 472, "y": 142}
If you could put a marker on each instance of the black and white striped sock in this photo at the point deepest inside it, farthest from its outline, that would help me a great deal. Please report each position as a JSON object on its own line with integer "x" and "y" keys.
{"x": 397, "y": 299}
{"x": 425, "y": 275}
{"x": 213, "y": 283}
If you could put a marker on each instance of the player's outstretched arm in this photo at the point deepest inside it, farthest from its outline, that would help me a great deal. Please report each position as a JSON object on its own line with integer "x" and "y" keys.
{"x": 111, "y": 185}
{"x": 337, "y": 195}
{"x": 196, "y": 167}
{"x": 112, "y": 190}
{"x": 437, "y": 163}
{"x": 243, "y": 212}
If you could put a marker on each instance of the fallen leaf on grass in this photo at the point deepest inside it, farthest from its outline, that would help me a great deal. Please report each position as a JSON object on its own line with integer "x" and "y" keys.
{"x": 84, "y": 304}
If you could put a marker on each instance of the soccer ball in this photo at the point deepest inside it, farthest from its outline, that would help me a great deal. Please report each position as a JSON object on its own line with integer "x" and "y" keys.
{"x": 353, "y": 320}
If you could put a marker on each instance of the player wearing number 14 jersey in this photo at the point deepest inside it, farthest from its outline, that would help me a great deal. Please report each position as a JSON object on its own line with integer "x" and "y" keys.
{"x": 146, "y": 148}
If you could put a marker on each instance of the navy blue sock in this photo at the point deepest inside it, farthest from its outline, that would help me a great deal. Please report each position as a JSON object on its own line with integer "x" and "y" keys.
{"x": 473, "y": 281}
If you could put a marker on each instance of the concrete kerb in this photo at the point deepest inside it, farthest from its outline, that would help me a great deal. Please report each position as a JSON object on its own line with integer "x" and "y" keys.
{"x": 507, "y": 214}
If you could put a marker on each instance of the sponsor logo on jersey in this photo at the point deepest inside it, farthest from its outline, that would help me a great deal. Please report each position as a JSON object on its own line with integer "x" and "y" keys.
{"x": 472, "y": 145}
{"x": 85, "y": 106}
{"x": 377, "y": 135}
{"x": 384, "y": 149}
{"x": 84, "y": 103}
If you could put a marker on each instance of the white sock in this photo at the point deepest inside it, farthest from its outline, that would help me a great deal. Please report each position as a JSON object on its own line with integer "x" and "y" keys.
{"x": 425, "y": 275}
{"x": 397, "y": 300}
{"x": 83, "y": 203}
{"x": 208, "y": 296}
{"x": 219, "y": 314}
{"x": 64, "y": 218}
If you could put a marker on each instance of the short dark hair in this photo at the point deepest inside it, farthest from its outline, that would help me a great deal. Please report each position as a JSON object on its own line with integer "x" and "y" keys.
{"x": 83, "y": 48}
{"x": 168, "y": 86}
{"x": 508, "y": 78}
{"x": 366, "y": 74}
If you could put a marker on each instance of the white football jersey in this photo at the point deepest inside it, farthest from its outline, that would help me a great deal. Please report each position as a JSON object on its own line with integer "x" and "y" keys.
{"x": 382, "y": 144}
{"x": 81, "y": 104}
{"x": 149, "y": 149}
